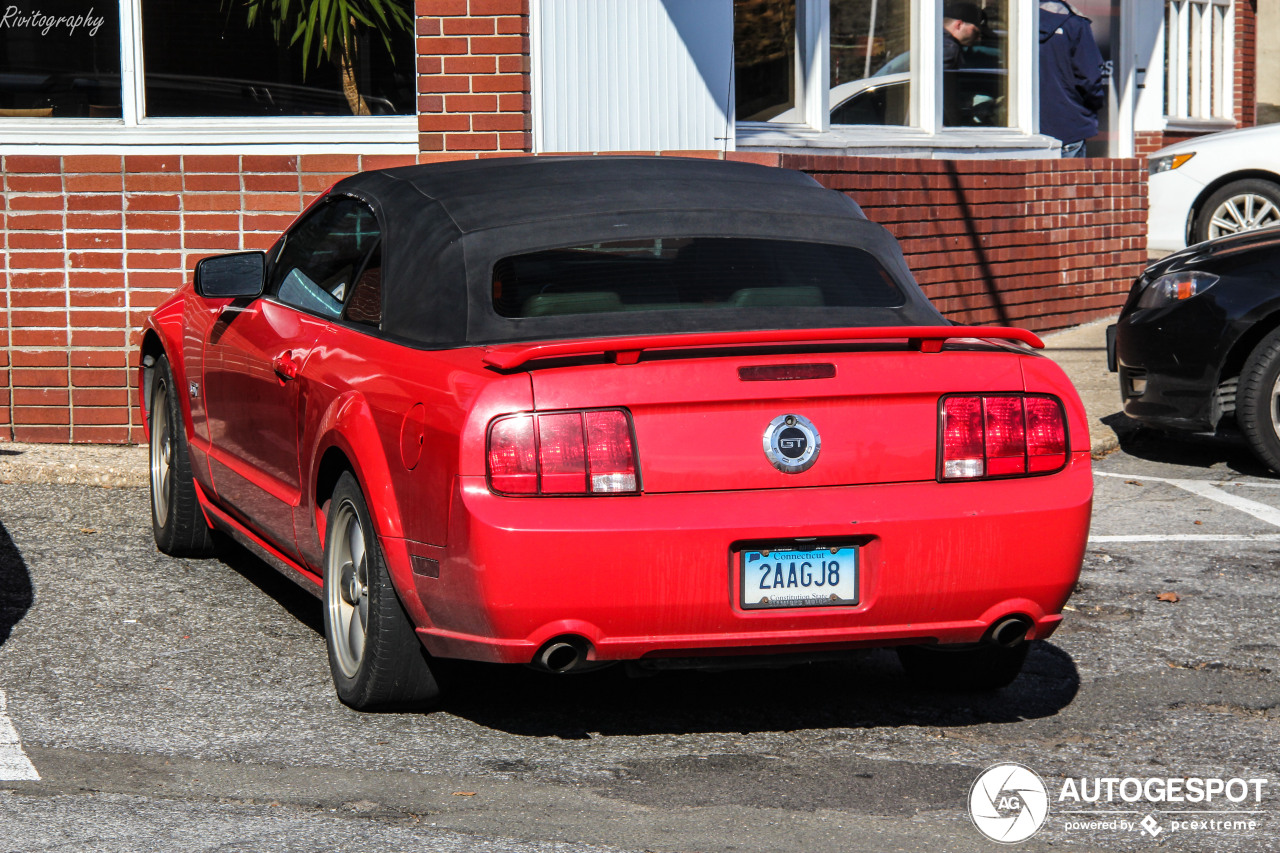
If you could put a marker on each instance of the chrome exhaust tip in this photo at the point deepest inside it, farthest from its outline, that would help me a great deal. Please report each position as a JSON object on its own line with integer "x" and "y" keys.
{"x": 562, "y": 654}
{"x": 1009, "y": 632}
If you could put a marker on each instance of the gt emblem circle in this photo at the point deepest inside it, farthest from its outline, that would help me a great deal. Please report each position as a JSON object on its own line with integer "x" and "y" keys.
{"x": 792, "y": 443}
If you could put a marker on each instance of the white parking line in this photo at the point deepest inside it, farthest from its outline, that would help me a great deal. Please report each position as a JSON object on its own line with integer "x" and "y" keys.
{"x": 14, "y": 764}
{"x": 1210, "y": 490}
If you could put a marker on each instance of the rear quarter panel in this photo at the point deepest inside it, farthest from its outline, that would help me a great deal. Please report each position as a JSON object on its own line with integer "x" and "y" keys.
{"x": 399, "y": 415}
{"x": 1041, "y": 375}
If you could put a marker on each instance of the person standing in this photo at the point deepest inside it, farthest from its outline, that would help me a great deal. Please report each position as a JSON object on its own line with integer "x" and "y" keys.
{"x": 963, "y": 25}
{"x": 1072, "y": 78}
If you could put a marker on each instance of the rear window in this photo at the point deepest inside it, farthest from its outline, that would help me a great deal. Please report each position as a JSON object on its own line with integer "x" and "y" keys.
{"x": 665, "y": 273}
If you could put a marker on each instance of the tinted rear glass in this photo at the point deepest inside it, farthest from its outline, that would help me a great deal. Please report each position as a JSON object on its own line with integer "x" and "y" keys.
{"x": 665, "y": 273}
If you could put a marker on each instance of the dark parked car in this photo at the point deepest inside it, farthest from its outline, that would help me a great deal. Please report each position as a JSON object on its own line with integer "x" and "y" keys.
{"x": 1198, "y": 342}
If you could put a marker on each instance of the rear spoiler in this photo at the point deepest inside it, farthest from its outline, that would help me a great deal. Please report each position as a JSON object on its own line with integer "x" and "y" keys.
{"x": 626, "y": 350}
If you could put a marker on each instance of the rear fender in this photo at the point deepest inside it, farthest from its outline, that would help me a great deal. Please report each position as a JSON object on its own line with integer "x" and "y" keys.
{"x": 1040, "y": 375}
{"x": 348, "y": 425}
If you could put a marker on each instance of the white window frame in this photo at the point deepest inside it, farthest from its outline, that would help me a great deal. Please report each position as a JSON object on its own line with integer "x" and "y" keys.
{"x": 926, "y": 136}
{"x": 134, "y": 132}
{"x": 1198, "y": 46}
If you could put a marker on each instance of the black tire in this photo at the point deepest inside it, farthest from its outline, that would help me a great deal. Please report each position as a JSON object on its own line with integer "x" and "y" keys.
{"x": 176, "y": 520}
{"x": 1257, "y": 400}
{"x": 1239, "y": 206}
{"x": 963, "y": 668}
{"x": 377, "y": 661}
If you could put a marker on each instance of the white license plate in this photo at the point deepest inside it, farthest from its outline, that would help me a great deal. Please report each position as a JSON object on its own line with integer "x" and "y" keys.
{"x": 794, "y": 578}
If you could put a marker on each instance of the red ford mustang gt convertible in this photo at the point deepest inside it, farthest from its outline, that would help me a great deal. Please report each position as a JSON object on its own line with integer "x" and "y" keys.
{"x": 570, "y": 411}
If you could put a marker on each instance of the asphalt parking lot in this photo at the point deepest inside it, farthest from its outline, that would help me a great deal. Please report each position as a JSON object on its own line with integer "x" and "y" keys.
{"x": 186, "y": 705}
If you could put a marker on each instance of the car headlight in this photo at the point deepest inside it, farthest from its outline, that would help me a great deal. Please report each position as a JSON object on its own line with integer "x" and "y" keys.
{"x": 1176, "y": 287}
{"x": 1168, "y": 163}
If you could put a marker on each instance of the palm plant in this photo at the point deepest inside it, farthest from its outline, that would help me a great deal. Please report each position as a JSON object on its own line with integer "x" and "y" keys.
{"x": 330, "y": 30}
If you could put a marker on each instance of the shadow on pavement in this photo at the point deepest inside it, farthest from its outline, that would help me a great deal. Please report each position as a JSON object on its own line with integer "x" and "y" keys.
{"x": 300, "y": 604}
{"x": 867, "y": 690}
{"x": 1193, "y": 450}
{"x": 16, "y": 592}
{"x": 863, "y": 690}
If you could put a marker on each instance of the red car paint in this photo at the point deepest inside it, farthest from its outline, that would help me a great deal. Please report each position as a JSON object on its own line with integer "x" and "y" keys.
{"x": 488, "y": 577}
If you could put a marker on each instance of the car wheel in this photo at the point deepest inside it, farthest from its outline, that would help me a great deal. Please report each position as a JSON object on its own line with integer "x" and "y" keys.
{"x": 176, "y": 519}
{"x": 1258, "y": 400}
{"x": 1239, "y": 206}
{"x": 963, "y": 668}
{"x": 375, "y": 656}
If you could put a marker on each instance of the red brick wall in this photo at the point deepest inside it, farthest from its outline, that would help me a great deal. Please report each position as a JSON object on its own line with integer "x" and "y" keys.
{"x": 93, "y": 243}
{"x": 1040, "y": 244}
{"x": 473, "y": 77}
{"x": 1147, "y": 143}
{"x": 1246, "y": 63}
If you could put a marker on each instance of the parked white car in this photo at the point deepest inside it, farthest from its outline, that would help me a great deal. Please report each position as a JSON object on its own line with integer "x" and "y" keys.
{"x": 1214, "y": 185}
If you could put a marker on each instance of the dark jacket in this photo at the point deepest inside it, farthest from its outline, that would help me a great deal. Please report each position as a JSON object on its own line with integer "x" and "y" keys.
{"x": 1072, "y": 84}
{"x": 952, "y": 51}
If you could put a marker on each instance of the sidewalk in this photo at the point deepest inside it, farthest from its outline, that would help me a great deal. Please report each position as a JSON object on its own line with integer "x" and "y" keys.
{"x": 1081, "y": 352}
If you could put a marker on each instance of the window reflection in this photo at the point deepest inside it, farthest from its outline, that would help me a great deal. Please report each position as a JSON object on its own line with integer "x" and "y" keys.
{"x": 202, "y": 58}
{"x": 764, "y": 64}
{"x": 975, "y": 82}
{"x": 60, "y": 58}
{"x": 870, "y": 61}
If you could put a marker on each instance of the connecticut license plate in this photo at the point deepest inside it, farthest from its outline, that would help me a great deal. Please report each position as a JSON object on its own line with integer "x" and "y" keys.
{"x": 794, "y": 578}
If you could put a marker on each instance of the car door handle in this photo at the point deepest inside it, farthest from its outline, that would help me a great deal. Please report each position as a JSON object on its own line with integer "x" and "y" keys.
{"x": 285, "y": 367}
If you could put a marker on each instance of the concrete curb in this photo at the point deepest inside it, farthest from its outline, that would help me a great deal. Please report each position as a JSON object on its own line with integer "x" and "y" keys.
{"x": 108, "y": 466}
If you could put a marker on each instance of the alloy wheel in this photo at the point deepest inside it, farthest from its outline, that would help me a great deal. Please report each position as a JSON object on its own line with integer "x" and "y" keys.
{"x": 161, "y": 453}
{"x": 1244, "y": 212}
{"x": 346, "y": 589}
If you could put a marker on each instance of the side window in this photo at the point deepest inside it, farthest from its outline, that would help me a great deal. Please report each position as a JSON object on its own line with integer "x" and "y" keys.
{"x": 316, "y": 267}
{"x": 364, "y": 306}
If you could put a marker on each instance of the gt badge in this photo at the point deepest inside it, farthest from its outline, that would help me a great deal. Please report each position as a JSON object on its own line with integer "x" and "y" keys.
{"x": 791, "y": 443}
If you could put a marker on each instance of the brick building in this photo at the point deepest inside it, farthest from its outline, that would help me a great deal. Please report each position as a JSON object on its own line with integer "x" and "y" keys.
{"x": 165, "y": 131}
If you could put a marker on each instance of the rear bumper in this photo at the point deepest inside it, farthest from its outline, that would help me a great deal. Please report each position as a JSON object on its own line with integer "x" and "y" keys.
{"x": 657, "y": 574}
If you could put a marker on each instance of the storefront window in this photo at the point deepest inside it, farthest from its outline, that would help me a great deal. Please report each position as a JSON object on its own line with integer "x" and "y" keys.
{"x": 204, "y": 58}
{"x": 1197, "y": 56}
{"x": 975, "y": 75}
{"x": 60, "y": 58}
{"x": 870, "y": 62}
{"x": 764, "y": 64}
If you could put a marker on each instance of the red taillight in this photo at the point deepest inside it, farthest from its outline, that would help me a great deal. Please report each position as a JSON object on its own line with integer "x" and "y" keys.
{"x": 1001, "y": 435}
{"x": 561, "y": 458}
{"x": 513, "y": 459}
{"x": 1005, "y": 423}
{"x": 962, "y": 438}
{"x": 563, "y": 453}
{"x": 1046, "y": 435}
{"x": 610, "y": 456}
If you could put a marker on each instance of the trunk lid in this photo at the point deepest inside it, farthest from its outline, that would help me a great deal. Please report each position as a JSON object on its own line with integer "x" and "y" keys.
{"x": 700, "y": 426}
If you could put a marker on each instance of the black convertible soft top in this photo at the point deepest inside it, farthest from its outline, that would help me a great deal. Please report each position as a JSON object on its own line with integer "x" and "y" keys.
{"x": 446, "y": 225}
